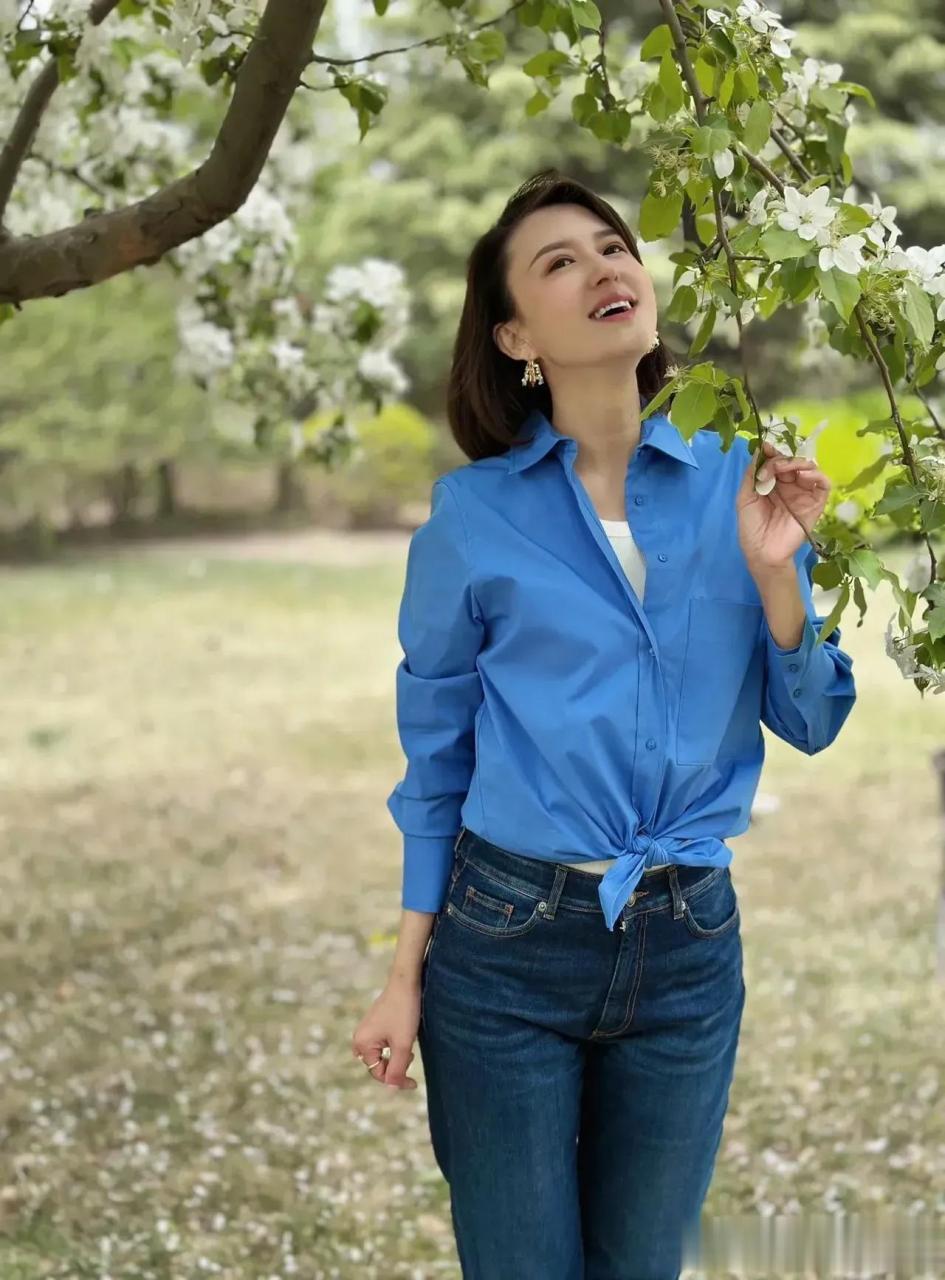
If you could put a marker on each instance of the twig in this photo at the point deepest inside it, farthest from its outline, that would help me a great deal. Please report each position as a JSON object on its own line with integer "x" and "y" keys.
{"x": 406, "y": 48}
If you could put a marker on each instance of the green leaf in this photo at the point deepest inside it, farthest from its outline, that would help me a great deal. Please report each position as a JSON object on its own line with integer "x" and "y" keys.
{"x": 796, "y": 279}
{"x": 212, "y": 69}
{"x": 380, "y": 7}
{"x": 867, "y": 564}
{"x": 584, "y": 106}
{"x": 705, "y": 76}
{"x": 546, "y": 63}
{"x": 536, "y": 103}
{"x": 555, "y": 19}
{"x": 65, "y": 66}
{"x": 777, "y": 244}
{"x": 671, "y": 83}
{"x": 709, "y": 138}
{"x": 898, "y": 494}
{"x": 660, "y": 215}
{"x": 868, "y": 474}
{"x": 707, "y": 373}
{"x": 746, "y": 78}
{"x": 852, "y": 219}
{"x": 683, "y": 304}
{"x": 840, "y": 288}
{"x": 826, "y": 574}
{"x": 586, "y": 14}
{"x": 695, "y": 406}
{"x": 719, "y": 41}
{"x": 936, "y": 622}
{"x": 488, "y": 46}
{"x": 858, "y": 90}
{"x": 656, "y": 43}
{"x": 727, "y": 87}
{"x": 668, "y": 389}
{"x": 931, "y": 514}
{"x": 706, "y": 330}
{"x": 758, "y": 125}
{"x": 530, "y": 13}
{"x": 612, "y": 126}
{"x": 833, "y": 617}
{"x": 918, "y": 311}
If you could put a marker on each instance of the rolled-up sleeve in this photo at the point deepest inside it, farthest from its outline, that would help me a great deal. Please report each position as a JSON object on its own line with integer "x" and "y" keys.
{"x": 438, "y": 692}
{"x": 809, "y": 690}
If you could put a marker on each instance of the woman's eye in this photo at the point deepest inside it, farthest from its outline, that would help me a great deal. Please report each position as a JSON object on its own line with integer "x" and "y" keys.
{"x": 615, "y": 245}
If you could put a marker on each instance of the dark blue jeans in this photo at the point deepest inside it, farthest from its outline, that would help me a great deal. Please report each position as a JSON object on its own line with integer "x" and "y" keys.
{"x": 577, "y": 1078}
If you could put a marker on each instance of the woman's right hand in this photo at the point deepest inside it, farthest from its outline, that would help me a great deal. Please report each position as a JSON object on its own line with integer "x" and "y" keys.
{"x": 392, "y": 1021}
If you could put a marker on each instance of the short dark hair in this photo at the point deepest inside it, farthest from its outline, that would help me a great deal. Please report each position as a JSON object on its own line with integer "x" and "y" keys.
{"x": 485, "y": 400}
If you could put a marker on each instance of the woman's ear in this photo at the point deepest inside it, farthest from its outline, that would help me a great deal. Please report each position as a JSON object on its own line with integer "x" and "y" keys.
{"x": 508, "y": 342}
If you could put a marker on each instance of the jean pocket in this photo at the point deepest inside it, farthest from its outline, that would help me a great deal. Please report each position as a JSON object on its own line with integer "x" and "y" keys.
{"x": 485, "y": 905}
{"x": 713, "y": 910}
{"x": 721, "y": 687}
{"x": 427, "y": 957}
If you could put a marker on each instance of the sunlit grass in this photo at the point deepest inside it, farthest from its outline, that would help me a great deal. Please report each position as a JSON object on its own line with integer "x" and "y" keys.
{"x": 198, "y": 884}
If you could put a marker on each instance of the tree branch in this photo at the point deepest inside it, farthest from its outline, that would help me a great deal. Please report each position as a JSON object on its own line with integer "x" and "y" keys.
{"x": 407, "y": 48}
{"x": 682, "y": 54}
{"x": 17, "y": 147}
{"x": 106, "y": 244}
{"x": 699, "y": 101}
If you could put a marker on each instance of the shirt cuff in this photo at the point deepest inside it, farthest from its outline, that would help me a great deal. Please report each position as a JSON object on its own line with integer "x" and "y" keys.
{"x": 428, "y": 861}
{"x": 804, "y": 670}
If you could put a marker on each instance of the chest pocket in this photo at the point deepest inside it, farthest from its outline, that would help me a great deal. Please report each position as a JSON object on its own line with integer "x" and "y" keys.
{"x": 722, "y": 681}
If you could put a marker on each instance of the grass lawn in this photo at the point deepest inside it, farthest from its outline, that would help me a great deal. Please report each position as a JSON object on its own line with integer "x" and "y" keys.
{"x": 199, "y": 884}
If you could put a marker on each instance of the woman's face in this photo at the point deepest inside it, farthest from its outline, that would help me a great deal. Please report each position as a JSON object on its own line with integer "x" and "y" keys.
{"x": 556, "y": 289}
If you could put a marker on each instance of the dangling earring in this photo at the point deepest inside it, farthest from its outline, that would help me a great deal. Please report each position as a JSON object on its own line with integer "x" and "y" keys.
{"x": 655, "y": 344}
{"x": 532, "y": 376}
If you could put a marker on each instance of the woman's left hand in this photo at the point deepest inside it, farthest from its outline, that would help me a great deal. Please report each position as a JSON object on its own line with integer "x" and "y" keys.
{"x": 771, "y": 527}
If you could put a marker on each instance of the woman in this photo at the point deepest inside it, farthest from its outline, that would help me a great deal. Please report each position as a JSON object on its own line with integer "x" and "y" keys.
{"x": 580, "y": 703}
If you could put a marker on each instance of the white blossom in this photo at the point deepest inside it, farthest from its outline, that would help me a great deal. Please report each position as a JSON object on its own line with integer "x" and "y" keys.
{"x": 884, "y": 221}
{"x": 379, "y": 368}
{"x": 846, "y": 255}
{"x": 847, "y": 511}
{"x": 918, "y": 572}
{"x": 807, "y": 215}
{"x": 757, "y": 208}
{"x": 724, "y": 162}
{"x": 767, "y": 23}
{"x": 925, "y": 267}
{"x": 286, "y": 354}
{"x": 205, "y": 347}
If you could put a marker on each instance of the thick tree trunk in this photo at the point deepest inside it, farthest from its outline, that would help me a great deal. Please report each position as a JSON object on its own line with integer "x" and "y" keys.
{"x": 290, "y": 492}
{"x": 105, "y": 244}
{"x": 123, "y": 488}
{"x": 167, "y": 492}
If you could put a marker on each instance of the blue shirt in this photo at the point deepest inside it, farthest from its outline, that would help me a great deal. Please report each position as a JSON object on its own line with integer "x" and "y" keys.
{"x": 546, "y": 708}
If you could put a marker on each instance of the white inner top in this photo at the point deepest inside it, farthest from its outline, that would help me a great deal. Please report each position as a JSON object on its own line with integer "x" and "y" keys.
{"x": 634, "y": 566}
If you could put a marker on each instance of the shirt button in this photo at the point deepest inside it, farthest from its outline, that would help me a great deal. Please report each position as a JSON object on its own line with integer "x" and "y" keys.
{"x": 652, "y": 654}
{"x": 638, "y": 500}
{"x": 662, "y": 556}
{"x": 792, "y": 666}
{"x": 797, "y": 693}
{"x": 651, "y": 744}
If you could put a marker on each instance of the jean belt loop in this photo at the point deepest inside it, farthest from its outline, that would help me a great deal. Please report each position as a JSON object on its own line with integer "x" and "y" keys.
{"x": 551, "y": 906}
{"x": 679, "y": 903}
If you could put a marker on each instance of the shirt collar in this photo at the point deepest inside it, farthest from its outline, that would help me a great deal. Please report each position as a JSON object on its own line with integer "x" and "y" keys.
{"x": 656, "y": 431}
